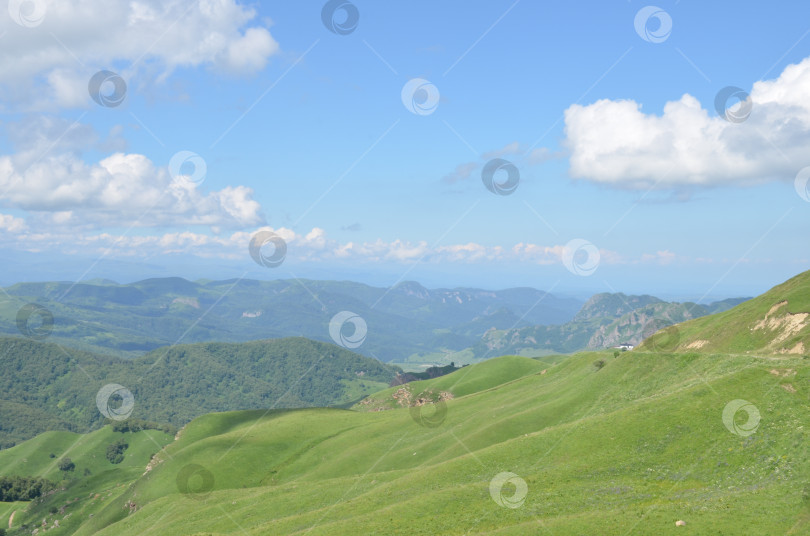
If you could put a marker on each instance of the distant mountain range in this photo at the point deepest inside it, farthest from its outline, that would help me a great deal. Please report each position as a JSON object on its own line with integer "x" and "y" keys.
{"x": 407, "y": 321}
{"x": 605, "y": 321}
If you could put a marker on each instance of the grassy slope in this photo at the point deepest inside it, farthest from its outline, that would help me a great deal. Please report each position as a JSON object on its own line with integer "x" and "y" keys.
{"x": 87, "y": 452}
{"x": 630, "y": 448}
{"x": 733, "y": 331}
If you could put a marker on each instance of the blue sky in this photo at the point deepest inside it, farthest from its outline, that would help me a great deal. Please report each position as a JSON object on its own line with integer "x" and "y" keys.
{"x": 304, "y": 133}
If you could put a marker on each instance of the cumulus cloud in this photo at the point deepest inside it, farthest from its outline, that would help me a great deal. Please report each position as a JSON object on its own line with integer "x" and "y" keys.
{"x": 48, "y": 176}
{"x": 615, "y": 143}
{"x": 53, "y": 61}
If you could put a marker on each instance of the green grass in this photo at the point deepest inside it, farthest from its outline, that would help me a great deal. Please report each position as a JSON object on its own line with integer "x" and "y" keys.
{"x": 735, "y": 330}
{"x": 93, "y": 475}
{"x": 354, "y": 390}
{"x": 605, "y": 445}
{"x": 626, "y": 449}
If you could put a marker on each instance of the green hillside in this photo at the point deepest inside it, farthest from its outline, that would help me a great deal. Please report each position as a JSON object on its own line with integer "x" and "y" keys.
{"x": 46, "y": 387}
{"x": 773, "y": 323}
{"x": 93, "y": 483}
{"x": 614, "y": 446}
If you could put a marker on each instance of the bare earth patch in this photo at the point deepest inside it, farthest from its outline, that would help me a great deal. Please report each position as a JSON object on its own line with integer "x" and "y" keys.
{"x": 788, "y": 387}
{"x": 776, "y": 308}
{"x": 784, "y": 326}
{"x": 697, "y": 345}
{"x": 798, "y": 349}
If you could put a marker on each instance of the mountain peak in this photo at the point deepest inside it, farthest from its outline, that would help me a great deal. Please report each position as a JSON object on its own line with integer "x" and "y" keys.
{"x": 613, "y": 305}
{"x": 412, "y": 288}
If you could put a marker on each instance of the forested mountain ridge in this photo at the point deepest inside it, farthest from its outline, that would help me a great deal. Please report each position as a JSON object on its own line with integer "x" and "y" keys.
{"x": 45, "y": 386}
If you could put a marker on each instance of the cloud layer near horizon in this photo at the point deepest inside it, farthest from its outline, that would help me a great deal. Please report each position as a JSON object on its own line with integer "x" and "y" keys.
{"x": 314, "y": 246}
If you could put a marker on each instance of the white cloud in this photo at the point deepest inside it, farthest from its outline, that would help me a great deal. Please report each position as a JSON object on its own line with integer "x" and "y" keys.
{"x": 120, "y": 190}
{"x": 12, "y": 224}
{"x": 470, "y": 252}
{"x": 250, "y": 52}
{"x": 48, "y": 177}
{"x": 80, "y": 37}
{"x": 660, "y": 257}
{"x": 41, "y": 135}
{"x": 313, "y": 246}
{"x": 539, "y": 254}
{"x": 616, "y": 143}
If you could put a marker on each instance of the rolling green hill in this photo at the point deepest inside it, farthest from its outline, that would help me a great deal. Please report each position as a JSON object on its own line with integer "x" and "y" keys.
{"x": 628, "y": 446}
{"x": 43, "y": 386}
{"x": 776, "y": 322}
{"x": 648, "y": 442}
{"x": 93, "y": 483}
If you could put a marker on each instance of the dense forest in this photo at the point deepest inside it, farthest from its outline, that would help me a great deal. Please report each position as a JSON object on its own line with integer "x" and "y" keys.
{"x": 47, "y": 387}
{"x": 20, "y": 488}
